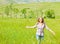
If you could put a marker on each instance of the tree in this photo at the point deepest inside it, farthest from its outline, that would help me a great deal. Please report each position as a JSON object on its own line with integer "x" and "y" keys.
{"x": 11, "y": 2}
{"x": 32, "y": 14}
{"x": 50, "y": 13}
{"x": 7, "y": 10}
{"x": 24, "y": 12}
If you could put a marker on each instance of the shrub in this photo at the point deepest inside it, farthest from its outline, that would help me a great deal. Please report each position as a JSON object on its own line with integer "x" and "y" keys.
{"x": 50, "y": 13}
{"x": 24, "y": 12}
{"x": 7, "y": 10}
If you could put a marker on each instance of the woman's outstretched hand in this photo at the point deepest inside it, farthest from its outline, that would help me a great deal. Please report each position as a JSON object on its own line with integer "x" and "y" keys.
{"x": 53, "y": 33}
{"x": 27, "y": 26}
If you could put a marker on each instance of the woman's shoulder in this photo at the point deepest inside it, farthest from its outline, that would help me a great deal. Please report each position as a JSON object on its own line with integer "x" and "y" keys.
{"x": 38, "y": 23}
{"x": 44, "y": 24}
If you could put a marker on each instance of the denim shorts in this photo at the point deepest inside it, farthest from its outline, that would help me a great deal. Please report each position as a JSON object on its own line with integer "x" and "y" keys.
{"x": 38, "y": 37}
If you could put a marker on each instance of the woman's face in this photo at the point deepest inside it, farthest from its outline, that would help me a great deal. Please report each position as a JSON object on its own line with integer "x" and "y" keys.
{"x": 40, "y": 19}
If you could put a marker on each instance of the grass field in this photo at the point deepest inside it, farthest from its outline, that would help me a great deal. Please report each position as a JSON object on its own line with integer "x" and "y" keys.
{"x": 13, "y": 31}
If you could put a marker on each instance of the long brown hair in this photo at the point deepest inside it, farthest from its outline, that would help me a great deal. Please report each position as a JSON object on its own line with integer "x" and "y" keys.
{"x": 42, "y": 19}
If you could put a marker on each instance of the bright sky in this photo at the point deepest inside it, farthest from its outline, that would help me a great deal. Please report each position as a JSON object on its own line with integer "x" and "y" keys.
{"x": 27, "y": 1}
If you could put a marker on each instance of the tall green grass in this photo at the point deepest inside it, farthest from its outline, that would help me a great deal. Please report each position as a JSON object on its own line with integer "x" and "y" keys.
{"x": 14, "y": 31}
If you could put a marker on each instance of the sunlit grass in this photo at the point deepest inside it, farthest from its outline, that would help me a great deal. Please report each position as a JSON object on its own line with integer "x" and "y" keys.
{"x": 13, "y": 31}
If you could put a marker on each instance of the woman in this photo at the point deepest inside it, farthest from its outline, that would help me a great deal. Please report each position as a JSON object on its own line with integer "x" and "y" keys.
{"x": 40, "y": 25}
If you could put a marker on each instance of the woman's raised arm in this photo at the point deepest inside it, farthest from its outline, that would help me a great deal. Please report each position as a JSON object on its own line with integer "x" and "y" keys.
{"x": 50, "y": 30}
{"x": 31, "y": 26}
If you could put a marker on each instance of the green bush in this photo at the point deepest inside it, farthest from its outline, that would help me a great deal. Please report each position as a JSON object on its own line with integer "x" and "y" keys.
{"x": 7, "y": 10}
{"x": 24, "y": 12}
{"x": 15, "y": 10}
{"x": 50, "y": 13}
{"x": 32, "y": 14}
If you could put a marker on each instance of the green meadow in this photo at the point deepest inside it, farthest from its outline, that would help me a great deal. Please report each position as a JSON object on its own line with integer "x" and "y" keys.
{"x": 14, "y": 31}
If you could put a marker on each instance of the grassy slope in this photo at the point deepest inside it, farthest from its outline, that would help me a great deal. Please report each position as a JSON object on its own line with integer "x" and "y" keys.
{"x": 13, "y": 31}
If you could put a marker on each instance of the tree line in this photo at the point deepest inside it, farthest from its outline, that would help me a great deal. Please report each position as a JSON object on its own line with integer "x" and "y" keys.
{"x": 11, "y": 11}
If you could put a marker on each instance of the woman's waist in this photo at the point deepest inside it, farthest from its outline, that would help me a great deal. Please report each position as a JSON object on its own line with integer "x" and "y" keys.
{"x": 40, "y": 33}
{"x": 40, "y": 30}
